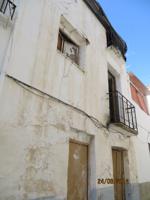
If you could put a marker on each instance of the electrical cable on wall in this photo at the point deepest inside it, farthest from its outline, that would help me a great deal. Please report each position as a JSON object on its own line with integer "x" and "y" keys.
{"x": 32, "y": 90}
{"x": 95, "y": 121}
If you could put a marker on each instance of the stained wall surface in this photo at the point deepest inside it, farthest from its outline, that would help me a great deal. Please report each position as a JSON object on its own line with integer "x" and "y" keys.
{"x": 59, "y": 101}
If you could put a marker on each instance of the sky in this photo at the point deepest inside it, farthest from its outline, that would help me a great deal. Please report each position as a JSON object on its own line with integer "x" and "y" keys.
{"x": 131, "y": 19}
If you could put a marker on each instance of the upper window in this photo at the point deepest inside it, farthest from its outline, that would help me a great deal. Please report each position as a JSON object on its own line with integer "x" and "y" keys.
{"x": 72, "y": 42}
{"x": 68, "y": 47}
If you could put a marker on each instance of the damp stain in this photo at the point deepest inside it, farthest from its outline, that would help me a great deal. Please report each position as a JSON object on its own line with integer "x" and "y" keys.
{"x": 36, "y": 178}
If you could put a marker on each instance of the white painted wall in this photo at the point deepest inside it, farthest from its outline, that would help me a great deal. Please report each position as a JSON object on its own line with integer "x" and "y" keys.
{"x": 141, "y": 141}
{"x": 141, "y": 145}
{"x": 35, "y": 131}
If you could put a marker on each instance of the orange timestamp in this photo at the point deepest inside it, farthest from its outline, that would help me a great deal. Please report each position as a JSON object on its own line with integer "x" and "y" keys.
{"x": 112, "y": 181}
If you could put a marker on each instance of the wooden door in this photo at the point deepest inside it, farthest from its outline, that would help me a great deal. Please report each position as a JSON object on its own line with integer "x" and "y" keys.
{"x": 78, "y": 172}
{"x": 118, "y": 172}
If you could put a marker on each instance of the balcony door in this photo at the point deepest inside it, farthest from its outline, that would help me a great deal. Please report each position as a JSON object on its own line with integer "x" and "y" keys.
{"x": 112, "y": 82}
{"x": 113, "y": 101}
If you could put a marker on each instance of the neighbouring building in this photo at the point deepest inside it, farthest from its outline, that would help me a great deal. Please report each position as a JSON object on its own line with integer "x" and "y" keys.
{"x": 148, "y": 97}
{"x": 140, "y": 94}
{"x": 69, "y": 128}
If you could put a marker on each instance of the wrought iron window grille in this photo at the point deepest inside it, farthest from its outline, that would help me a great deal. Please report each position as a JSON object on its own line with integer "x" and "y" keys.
{"x": 7, "y": 7}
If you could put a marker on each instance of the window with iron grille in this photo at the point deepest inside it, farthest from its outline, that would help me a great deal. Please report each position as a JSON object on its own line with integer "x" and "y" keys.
{"x": 68, "y": 47}
{"x": 7, "y": 7}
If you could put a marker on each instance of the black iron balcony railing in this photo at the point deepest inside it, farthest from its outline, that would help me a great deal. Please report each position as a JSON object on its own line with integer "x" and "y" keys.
{"x": 7, "y": 7}
{"x": 122, "y": 112}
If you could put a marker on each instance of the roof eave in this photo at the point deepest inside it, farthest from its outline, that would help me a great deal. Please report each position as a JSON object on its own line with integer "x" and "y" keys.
{"x": 113, "y": 38}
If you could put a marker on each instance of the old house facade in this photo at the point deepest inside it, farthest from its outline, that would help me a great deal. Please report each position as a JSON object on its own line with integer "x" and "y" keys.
{"x": 68, "y": 125}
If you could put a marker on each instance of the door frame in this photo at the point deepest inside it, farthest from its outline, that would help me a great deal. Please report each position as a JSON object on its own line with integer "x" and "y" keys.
{"x": 123, "y": 151}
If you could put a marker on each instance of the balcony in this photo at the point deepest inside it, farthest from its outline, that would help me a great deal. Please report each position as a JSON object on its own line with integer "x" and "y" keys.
{"x": 8, "y": 8}
{"x": 122, "y": 112}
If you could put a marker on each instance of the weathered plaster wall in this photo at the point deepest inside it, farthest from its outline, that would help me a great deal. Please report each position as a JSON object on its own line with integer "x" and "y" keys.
{"x": 142, "y": 153}
{"x": 35, "y": 130}
{"x": 141, "y": 141}
{"x": 39, "y": 64}
{"x": 35, "y": 133}
{"x": 143, "y": 137}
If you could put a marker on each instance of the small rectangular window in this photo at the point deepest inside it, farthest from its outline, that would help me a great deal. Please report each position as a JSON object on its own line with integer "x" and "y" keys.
{"x": 68, "y": 47}
{"x": 149, "y": 147}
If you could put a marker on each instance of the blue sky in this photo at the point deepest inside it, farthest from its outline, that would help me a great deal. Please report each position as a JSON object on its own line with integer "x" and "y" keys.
{"x": 131, "y": 19}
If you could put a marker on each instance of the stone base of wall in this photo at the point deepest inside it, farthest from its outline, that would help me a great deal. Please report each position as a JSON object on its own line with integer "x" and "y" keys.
{"x": 49, "y": 198}
{"x": 144, "y": 191}
{"x": 105, "y": 193}
{"x": 131, "y": 192}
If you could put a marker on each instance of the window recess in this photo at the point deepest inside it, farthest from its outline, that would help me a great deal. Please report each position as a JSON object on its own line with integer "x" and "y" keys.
{"x": 72, "y": 43}
{"x": 68, "y": 47}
